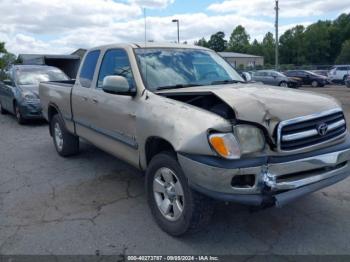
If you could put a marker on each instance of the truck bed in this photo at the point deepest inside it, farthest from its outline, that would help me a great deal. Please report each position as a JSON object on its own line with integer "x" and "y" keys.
{"x": 57, "y": 94}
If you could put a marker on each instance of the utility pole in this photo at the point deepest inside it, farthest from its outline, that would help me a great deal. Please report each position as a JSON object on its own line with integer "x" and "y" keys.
{"x": 178, "y": 29}
{"x": 145, "y": 21}
{"x": 277, "y": 40}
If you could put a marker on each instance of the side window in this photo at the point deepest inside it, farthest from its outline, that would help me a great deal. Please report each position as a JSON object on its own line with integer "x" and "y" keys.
{"x": 88, "y": 68}
{"x": 342, "y": 68}
{"x": 115, "y": 62}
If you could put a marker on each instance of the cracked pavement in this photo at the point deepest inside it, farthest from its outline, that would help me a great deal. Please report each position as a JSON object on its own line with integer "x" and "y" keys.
{"x": 95, "y": 204}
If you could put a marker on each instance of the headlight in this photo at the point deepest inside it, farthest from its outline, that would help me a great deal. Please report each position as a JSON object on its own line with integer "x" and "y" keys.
{"x": 226, "y": 145}
{"x": 251, "y": 139}
{"x": 29, "y": 96}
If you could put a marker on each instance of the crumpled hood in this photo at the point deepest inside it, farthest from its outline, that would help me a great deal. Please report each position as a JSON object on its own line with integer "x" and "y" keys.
{"x": 267, "y": 105}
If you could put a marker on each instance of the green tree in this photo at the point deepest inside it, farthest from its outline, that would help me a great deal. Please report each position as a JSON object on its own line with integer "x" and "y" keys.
{"x": 256, "y": 48}
{"x": 239, "y": 40}
{"x": 268, "y": 48}
{"x": 339, "y": 33}
{"x": 317, "y": 43}
{"x": 2, "y": 47}
{"x": 6, "y": 60}
{"x": 292, "y": 46}
{"x": 202, "y": 42}
{"x": 217, "y": 42}
{"x": 344, "y": 56}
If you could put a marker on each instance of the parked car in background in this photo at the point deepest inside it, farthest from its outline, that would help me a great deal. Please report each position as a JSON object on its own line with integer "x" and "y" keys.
{"x": 247, "y": 76}
{"x": 347, "y": 81}
{"x": 339, "y": 73}
{"x": 320, "y": 72}
{"x": 19, "y": 93}
{"x": 198, "y": 134}
{"x": 275, "y": 78}
{"x": 308, "y": 77}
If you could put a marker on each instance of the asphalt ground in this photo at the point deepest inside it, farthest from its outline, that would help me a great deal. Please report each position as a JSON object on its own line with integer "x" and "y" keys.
{"x": 95, "y": 204}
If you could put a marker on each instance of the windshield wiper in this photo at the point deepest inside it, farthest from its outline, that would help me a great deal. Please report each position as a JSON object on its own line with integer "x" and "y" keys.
{"x": 224, "y": 82}
{"x": 176, "y": 86}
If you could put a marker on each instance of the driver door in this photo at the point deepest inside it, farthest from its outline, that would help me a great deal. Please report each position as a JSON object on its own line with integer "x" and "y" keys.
{"x": 115, "y": 115}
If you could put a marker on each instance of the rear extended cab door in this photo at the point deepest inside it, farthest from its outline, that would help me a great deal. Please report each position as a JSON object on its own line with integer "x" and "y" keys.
{"x": 106, "y": 120}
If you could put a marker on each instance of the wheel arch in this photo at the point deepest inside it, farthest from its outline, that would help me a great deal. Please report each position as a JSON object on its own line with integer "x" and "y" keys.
{"x": 52, "y": 110}
{"x": 155, "y": 145}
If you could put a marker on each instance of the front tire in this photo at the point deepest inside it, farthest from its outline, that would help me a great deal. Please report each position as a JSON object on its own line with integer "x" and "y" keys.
{"x": 18, "y": 115}
{"x": 176, "y": 208}
{"x": 283, "y": 84}
{"x": 65, "y": 143}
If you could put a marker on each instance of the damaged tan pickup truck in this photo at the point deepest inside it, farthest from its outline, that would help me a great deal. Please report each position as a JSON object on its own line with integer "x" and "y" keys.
{"x": 182, "y": 114}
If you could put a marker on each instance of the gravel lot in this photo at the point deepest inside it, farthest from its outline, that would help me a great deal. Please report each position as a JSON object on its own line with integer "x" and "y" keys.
{"x": 93, "y": 203}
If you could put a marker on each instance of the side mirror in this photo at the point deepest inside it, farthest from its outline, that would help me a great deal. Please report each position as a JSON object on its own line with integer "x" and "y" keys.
{"x": 118, "y": 85}
{"x": 7, "y": 82}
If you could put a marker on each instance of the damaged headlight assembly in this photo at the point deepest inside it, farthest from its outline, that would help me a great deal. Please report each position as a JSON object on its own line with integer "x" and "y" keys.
{"x": 245, "y": 139}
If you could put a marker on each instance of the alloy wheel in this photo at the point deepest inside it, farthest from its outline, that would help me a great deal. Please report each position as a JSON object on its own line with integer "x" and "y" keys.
{"x": 284, "y": 84}
{"x": 168, "y": 194}
{"x": 18, "y": 114}
{"x": 58, "y": 136}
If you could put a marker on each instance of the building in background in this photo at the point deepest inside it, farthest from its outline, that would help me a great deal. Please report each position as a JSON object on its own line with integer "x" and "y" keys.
{"x": 67, "y": 63}
{"x": 79, "y": 52}
{"x": 240, "y": 61}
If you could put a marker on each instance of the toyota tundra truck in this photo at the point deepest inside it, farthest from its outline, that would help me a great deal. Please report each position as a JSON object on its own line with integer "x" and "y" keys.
{"x": 183, "y": 115}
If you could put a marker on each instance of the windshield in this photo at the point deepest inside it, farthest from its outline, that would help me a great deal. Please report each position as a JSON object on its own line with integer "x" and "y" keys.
{"x": 181, "y": 67}
{"x": 279, "y": 74}
{"x": 33, "y": 76}
{"x": 311, "y": 73}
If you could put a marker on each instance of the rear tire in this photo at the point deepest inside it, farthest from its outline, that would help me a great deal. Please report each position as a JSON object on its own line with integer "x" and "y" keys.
{"x": 65, "y": 143}
{"x": 185, "y": 210}
{"x": 314, "y": 83}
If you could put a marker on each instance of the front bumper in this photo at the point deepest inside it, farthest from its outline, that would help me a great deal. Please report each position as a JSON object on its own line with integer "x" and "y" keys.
{"x": 278, "y": 180}
{"x": 31, "y": 110}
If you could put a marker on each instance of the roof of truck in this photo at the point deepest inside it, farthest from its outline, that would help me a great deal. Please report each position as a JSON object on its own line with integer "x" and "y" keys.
{"x": 150, "y": 45}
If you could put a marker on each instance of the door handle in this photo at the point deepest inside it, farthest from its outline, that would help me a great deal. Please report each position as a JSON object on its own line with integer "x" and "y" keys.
{"x": 94, "y": 100}
{"x": 84, "y": 98}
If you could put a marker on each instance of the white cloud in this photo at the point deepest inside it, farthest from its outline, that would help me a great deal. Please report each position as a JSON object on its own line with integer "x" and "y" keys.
{"x": 56, "y": 16}
{"x": 152, "y": 4}
{"x": 288, "y": 8}
{"x": 61, "y": 26}
{"x": 192, "y": 27}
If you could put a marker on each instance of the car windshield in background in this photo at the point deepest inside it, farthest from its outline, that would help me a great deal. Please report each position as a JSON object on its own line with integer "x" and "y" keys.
{"x": 164, "y": 68}
{"x": 35, "y": 76}
{"x": 311, "y": 73}
{"x": 279, "y": 74}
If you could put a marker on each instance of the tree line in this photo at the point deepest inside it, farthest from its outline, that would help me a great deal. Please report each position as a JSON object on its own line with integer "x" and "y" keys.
{"x": 6, "y": 60}
{"x": 321, "y": 43}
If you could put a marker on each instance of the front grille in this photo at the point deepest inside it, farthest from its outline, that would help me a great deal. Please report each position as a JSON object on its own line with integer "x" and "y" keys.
{"x": 312, "y": 130}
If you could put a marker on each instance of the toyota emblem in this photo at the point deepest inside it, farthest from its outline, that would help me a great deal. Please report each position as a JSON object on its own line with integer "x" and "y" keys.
{"x": 322, "y": 129}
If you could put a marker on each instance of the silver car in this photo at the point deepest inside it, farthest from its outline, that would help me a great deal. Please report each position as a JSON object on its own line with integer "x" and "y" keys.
{"x": 271, "y": 77}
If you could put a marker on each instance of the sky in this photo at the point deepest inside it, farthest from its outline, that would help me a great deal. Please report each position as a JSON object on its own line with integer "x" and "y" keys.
{"x": 62, "y": 26}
